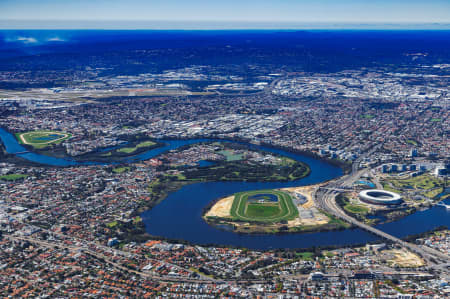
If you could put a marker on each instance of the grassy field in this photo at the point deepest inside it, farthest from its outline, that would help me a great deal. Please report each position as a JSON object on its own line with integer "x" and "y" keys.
{"x": 129, "y": 150}
{"x": 230, "y": 156}
{"x": 121, "y": 169}
{"x": 112, "y": 224}
{"x": 262, "y": 210}
{"x": 356, "y": 209}
{"x": 336, "y": 221}
{"x": 305, "y": 255}
{"x": 424, "y": 182}
{"x": 179, "y": 177}
{"x": 42, "y": 139}
{"x": 12, "y": 177}
{"x": 265, "y": 211}
{"x": 389, "y": 188}
{"x": 287, "y": 161}
{"x": 430, "y": 184}
{"x": 411, "y": 141}
{"x": 433, "y": 193}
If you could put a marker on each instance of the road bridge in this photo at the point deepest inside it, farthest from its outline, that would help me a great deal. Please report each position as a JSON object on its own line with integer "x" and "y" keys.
{"x": 325, "y": 197}
{"x": 327, "y": 202}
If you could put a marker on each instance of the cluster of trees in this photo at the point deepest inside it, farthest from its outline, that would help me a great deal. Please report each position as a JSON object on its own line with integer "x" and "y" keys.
{"x": 248, "y": 172}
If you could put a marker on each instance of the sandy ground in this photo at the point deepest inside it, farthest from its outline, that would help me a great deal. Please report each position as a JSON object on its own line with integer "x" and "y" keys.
{"x": 306, "y": 191}
{"x": 403, "y": 258}
{"x": 319, "y": 219}
{"x": 221, "y": 208}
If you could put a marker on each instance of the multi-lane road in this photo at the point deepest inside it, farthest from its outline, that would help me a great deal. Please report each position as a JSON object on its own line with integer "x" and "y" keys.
{"x": 325, "y": 198}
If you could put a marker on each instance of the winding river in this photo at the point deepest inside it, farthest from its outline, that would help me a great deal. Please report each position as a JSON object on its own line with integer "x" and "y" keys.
{"x": 179, "y": 215}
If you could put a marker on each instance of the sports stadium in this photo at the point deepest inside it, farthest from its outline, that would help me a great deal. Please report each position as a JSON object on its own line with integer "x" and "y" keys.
{"x": 380, "y": 197}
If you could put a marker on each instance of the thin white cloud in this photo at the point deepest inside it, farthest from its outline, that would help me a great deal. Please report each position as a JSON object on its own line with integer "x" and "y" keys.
{"x": 23, "y": 39}
{"x": 56, "y": 39}
{"x": 27, "y": 40}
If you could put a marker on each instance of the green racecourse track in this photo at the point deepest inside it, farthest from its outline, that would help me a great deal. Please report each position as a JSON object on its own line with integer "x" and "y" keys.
{"x": 264, "y": 211}
{"x": 41, "y": 139}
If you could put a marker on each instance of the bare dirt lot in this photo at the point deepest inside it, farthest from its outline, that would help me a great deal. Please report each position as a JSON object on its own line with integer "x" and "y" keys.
{"x": 221, "y": 208}
{"x": 404, "y": 258}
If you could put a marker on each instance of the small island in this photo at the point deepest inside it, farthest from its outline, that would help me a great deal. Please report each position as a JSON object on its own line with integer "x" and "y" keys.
{"x": 271, "y": 211}
{"x": 228, "y": 161}
{"x": 221, "y": 162}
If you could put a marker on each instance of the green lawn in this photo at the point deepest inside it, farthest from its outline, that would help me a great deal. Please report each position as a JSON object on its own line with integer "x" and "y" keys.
{"x": 389, "y": 188}
{"x": 230, "y": 156}
{"x": 121, "y": 169}
{"x": 411, "y": 141}
{"x": 430, "y": 185}
{"x": 201, "y": 273}
{"x": 356, "y": 209}
{"x": 129, "y": 150}
{"x": 305, "y": 255}
{"x": 262, "y": 210}
{"x": 336, "y": 221}
{"x": 42, "y": 139}
{"x": 424, "y": 182}
{"x": 112, "y": 224}
{"x": 433, "y": 193}
{"x": 12, "y": 177}
{"x": 179, "y": 176}
{"x": 287, "y": 161}
{"x": 368, "y": 116}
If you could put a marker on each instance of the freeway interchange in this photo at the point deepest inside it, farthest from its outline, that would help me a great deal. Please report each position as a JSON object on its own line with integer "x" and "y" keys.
{"x": 325, "y": 197}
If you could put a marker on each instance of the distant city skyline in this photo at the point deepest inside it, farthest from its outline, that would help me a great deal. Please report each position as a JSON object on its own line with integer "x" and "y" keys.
{"x": 232, "y": 14}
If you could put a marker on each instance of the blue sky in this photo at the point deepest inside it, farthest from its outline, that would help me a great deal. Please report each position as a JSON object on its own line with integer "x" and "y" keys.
{"x": 35, "y": 12}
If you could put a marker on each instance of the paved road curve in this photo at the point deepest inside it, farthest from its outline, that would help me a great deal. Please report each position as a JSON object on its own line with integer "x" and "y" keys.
{"x": 325, "y": 197}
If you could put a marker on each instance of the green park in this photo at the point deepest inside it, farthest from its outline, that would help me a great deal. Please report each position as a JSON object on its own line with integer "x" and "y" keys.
{"x": 130, "y": 150}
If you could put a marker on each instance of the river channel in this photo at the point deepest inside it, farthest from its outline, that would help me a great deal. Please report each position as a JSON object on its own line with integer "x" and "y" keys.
{"x": 179, "y": 215}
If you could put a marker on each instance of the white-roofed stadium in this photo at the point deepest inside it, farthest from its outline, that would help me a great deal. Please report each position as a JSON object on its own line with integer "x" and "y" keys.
{"x": 380, "y": 197}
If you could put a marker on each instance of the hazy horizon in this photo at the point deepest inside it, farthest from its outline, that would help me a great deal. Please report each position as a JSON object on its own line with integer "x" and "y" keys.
{"x": 232, "y": 14}
{"x": 210, "y": 25}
